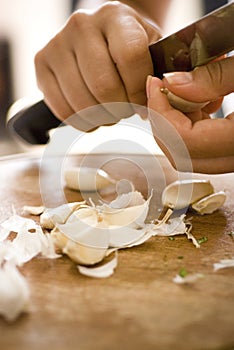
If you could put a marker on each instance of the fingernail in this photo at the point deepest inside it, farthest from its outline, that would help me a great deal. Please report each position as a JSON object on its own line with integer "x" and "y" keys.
{"x": 148, "y": 83}
{"x": 178, "y": 78}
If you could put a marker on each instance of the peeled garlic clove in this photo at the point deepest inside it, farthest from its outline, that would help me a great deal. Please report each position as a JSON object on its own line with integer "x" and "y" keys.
{"x": 180, "y": 194}
{"x": 181, "y": 104}
{"x": 135, "y": 215}
{"x": 52, "y": 216}
{"x": 87, "y": 179}
{"x": 58, "y": 238}
{"x": 87, "y": 240}
{"x": 82, "y": 254}
{"x": 209, "y": 204}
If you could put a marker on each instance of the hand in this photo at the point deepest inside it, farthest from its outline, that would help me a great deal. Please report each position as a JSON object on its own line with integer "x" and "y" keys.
{"x": 210, "y": 142}
{"x": 99, "y": 56}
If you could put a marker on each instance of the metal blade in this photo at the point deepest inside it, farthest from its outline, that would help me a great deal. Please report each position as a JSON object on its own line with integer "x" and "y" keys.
{"x": 197, "y": 44}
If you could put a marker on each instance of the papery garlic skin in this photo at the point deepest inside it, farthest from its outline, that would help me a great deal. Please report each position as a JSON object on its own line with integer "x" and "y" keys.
{"x": 52, "y": 216}
{"x": 14, "y": 292}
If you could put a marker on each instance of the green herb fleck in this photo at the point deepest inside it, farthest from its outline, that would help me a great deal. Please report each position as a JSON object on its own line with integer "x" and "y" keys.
{"x": 231, "y": 233}
{"x": 171, "y": 238}
{"x": 183, "y": 272}
{"x": 180, "y": 257}
{"x": 202, "y": 240}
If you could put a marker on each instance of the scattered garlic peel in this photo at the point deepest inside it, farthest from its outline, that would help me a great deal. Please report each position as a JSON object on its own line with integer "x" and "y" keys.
{"x": 88, "y": 234}
{"x": 14, "y": 292}
{"x": 103, "y": 271}
{"x": 52, "y": 216}
{"x": 174, "y": 226}
{"x": 121, "y": 237}
{"x": 33, "y": 210}
{"x": 224, "y": 263}
{"x": 187, "y": 279}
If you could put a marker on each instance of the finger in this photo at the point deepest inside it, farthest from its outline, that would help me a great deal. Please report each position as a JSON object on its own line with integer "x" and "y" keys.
{"x": 213, "y": 106}
{"x": 53, "y": 95}
{"x": 131, "y": 54}
{"x": 214, "y": 165}
{"x": 208, "y": 138}
{"x": 205, "y": 83}
{"x": 96, "y": 65}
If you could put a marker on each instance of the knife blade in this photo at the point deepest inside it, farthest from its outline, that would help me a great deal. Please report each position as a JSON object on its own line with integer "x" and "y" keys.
{"x": 198, "y": 43}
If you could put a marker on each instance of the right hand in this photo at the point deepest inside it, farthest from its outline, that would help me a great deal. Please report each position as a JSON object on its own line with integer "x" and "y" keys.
{"x": 99, "y": 56}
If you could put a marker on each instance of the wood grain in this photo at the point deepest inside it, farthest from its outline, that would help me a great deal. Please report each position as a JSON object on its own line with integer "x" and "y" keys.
{"x": 139, "y": 307}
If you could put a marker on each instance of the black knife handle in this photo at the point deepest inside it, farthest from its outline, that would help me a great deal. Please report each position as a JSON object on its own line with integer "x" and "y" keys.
{"x": 32, "y": 124}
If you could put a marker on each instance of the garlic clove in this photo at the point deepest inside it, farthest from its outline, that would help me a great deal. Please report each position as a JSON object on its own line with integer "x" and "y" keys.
{"x": 83, "y": 254}
{"x": 181, "y": 104}
{"x": 134, "y": 216}
{"x": 209, "y": 204}
{"x": 52, "y": 216}
{"x": 58, "y": 238}
{"x": 180, "y": 194}
{"x": 87, "y": 179}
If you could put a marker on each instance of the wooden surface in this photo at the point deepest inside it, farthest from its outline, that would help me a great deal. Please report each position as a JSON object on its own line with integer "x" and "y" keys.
{"x": 139, "y": 307}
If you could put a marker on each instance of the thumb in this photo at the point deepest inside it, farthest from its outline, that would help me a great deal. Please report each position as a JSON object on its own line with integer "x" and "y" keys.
{"x": 204, "y": 83}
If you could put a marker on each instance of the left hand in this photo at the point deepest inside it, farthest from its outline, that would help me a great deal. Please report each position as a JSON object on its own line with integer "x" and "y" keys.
{"x": 210, "y": 142}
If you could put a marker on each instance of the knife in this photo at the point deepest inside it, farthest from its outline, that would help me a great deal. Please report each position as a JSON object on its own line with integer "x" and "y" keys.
{"x": 198, "y": 43}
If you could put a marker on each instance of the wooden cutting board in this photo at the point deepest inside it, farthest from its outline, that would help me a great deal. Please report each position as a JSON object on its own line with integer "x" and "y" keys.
{"x": 139, "y": 307}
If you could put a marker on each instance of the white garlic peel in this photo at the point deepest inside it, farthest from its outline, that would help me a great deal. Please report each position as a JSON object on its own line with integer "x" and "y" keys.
{"x": 58, "y": 215}
{"x": 104, "y": 271}
{"x": 180, "y": 194}
{"x": 28, "y": 243}
{"x": 88, "y": 234}
{"x": 87, "y": 179}
{"x": 14, "y": 292}
{"x": 209, "y": 204}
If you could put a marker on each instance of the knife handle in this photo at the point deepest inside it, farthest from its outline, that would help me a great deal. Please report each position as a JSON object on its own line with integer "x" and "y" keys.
{"x": 32, "y": 124}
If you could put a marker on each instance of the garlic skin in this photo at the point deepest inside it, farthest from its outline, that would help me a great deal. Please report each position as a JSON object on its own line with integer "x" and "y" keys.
{"x": 209, "y": 204}
{"x": 52, "y": 216}
{"x": 87, "y": 179}
{"x": 14, "y": 292}
{"x": 180, "y": 194}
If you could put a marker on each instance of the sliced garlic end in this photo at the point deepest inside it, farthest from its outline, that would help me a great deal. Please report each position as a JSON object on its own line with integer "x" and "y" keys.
{"x": 210, "y": 204}
{"x": 180, "y": 194}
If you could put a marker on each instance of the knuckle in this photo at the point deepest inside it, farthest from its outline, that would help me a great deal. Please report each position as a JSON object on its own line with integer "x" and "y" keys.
{"x": 110, "y": 6}
{"x": 136, "y": 50}
{"x": 39, "y": 60}
{"x": 215, "y": 73}
{"x": 78, "y": 20}
{"x": 105, "y": 87}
